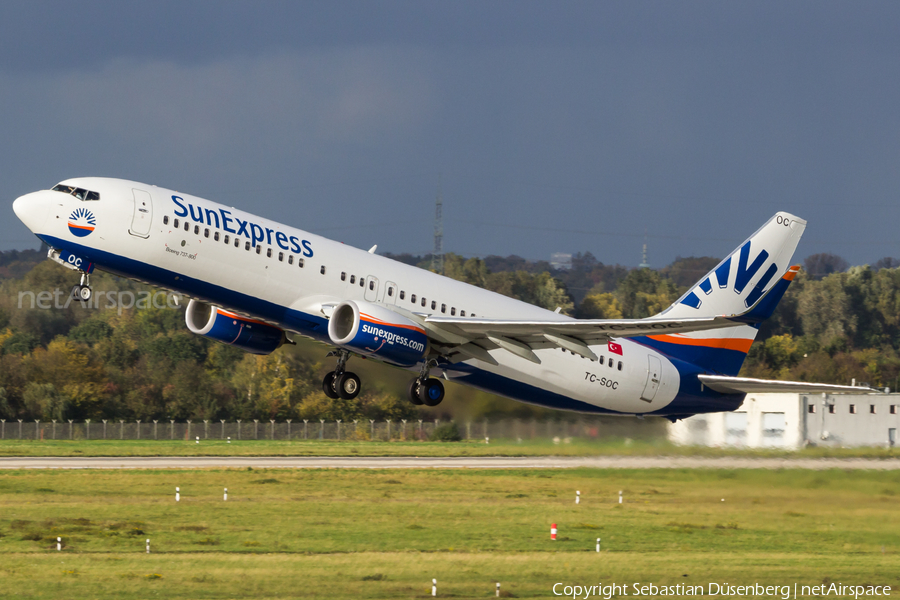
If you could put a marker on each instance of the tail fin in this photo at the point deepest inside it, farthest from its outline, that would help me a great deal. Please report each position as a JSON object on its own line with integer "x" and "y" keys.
{"x": 740, "y": 282}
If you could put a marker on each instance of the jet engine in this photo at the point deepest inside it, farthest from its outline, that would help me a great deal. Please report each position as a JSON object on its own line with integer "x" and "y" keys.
{"x": 252, "y": 336}
{"x": 377, "y": 332}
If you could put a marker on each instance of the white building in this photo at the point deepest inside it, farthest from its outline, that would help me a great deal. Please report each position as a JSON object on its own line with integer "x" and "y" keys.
{"x": 793, "y": 421}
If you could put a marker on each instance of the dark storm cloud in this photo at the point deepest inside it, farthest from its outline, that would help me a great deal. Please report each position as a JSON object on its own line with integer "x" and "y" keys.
{"x": 554, "y": 126}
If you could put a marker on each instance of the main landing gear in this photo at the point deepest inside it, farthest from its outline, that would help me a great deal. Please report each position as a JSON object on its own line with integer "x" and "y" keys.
{"x": 424, "y": 389}
{"x": 340, "y": 383}
{"x": 83, "y": 291}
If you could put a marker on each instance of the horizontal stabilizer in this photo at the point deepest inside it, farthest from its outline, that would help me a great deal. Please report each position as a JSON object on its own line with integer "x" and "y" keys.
{"x": 749, "y": 385}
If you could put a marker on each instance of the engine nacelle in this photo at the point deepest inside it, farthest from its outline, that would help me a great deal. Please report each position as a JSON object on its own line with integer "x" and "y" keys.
{"x": 252, "y": 336}
{"x": 378, "y": 332}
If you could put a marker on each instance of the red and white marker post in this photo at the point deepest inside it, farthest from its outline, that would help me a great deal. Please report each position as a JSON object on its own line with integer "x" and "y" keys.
{"x": 553, "y": 532}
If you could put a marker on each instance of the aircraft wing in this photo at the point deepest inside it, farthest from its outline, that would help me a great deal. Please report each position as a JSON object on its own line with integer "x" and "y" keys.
{"x": 473, "y": 337}
{"x": 749, "y": 385}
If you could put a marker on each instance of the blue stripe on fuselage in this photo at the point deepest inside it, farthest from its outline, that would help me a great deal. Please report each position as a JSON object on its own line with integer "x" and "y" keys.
{"x": 690, "y": 399}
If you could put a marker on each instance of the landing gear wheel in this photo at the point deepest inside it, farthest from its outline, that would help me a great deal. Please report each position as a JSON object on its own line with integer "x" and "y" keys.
{"x": 431, "y": 392}
{"x": 328, "y": 386}
{"x": 412, "y": 392}
{"x": 347, "y": 386}
{"x": 82, "y": 293}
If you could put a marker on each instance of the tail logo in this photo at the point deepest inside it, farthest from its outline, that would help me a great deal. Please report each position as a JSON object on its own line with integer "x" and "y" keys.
{"x": 81, "y": 222}
{"x": 746, "y": 271}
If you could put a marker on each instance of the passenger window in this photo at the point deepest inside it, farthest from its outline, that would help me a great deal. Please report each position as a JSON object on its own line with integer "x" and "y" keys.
{"x": 227, "y": 239}
{"x": 258, "y": 249}
{"x": 352, "y": 278}
{"x": 237, "y": 243}
{"x": 206, "y": 233}
{"x": 452, "y": 311}
{"x": 281, "y": 257}
{"x": 423, "y": 301}
{"x": 344, "y": 277}
{"x": 362, "y": 282}
{"x": 433, "y": 305}
{"x": 601, "y": 359}
{"x": 196, "y": 230}
{"x": 443, "y": 308}
{"x": 610, "y": 363}
{"x": 187, "y": 226}
{"x": 290, "y": 259}
{"x": 268, "y": 253}
{"x": 166, "y": 220}
{"x": 620, "y": 365}
{"x": 372, "y": 285}
{"x": 246, "y": 245}
{"x": 402, "y": 294}
{"x": 216, "y": 236}
{"x": 462, "y": 313}
{"x": 322, "y": 269}
{"x": 390, "y": 292}
{"x": 300, "y": 262}
{"x": 175, "y": 223}
{"x": 412, "y": 298}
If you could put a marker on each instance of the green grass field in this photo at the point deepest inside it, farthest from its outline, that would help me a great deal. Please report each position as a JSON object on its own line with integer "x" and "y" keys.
{"x": 387, "y": 533}
{"x": 496, "y": 447}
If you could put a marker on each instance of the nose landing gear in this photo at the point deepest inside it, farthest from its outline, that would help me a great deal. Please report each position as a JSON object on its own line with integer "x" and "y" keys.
{"x": 424, "y": 389}
{"x": 83, "y": 291}
{"x": 340, "y": 383}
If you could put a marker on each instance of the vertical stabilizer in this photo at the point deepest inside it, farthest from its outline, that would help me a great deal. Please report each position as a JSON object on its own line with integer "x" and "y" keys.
{"x": 738, "y": 283}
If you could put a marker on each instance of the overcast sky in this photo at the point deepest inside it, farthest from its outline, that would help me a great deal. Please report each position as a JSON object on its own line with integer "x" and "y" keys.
{"x": 551, "y": 126}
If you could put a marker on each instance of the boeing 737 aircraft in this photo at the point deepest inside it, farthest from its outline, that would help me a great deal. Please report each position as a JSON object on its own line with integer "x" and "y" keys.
{"x": 253, "y": 282}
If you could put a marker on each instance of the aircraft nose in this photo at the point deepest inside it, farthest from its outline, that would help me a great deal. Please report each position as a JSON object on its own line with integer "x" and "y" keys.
{"x": 32, "y": 209}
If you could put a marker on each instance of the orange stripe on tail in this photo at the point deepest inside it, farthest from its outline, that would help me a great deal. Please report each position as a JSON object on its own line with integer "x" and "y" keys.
{"x": 740, "y": 345}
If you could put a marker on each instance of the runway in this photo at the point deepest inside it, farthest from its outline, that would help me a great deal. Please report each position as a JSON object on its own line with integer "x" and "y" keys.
{"x": 537, "y": 462}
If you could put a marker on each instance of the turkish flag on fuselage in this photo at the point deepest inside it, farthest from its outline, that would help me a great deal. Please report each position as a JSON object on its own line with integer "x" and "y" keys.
{"x": 615, "y": 348}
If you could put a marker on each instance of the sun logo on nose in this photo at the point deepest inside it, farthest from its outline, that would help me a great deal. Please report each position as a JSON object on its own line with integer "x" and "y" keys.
{"x": 81, "y": 222}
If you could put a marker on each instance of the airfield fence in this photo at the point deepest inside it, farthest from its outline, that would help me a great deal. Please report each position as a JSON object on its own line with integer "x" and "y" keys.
{"x": 318, "y": 429}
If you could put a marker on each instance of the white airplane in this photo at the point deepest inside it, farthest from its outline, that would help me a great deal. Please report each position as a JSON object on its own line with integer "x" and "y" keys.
{"x": 251, "y": 281}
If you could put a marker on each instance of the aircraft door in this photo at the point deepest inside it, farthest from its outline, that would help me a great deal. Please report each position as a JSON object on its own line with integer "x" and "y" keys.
{"x": 371, "y": 289}
{"x": 143, "y": 214}
{"x": 654, "y": 371}
{"x": 390, "y": 293}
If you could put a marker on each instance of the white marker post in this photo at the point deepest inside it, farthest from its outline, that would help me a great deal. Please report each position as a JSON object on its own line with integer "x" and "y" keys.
{"x": 198, "y": 439}
{"x": 148, "y": 545}
{"x": 58, "y": 544}
{"x": 434, "y": 587}
{"x": 620, "y": 496}
{"x": 598, "y": 544}
{"x": 229, "y": 439}
{"x": 577, "y": 497}
{"x": 177, "y": 494}
{"x": 498, "y": 589}
{"x": 226, "y": 494}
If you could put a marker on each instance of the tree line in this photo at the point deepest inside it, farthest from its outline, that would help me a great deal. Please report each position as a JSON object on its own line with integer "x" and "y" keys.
{"x": 140, "y": 362}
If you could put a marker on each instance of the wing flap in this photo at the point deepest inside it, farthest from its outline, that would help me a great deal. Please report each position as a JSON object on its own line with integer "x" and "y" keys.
{"x": 749, "y": 385}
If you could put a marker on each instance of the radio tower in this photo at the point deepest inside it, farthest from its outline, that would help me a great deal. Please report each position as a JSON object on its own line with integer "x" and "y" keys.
{"x": 644, "y": 264}
{"x": 437, "y": 255}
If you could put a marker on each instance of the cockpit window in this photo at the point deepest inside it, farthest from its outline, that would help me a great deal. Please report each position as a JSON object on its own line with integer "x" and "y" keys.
{"x": 80, "y": 193}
